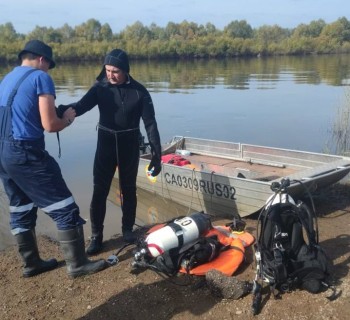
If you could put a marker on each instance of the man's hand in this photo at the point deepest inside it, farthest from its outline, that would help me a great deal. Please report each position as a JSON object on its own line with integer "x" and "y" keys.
{"x": 69, "y": 116}
{"x": 49, "y": 117}
{"x": 61, "y": 110}
{"x": 156, "y": 165}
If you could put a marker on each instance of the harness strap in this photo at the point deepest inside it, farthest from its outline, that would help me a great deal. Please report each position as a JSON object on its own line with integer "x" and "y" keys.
{"x": 306, "y": 218}
{"x": 5, "y": 110}
{"x": 15, "y": 89}
{"x": 233, "y": 247}
{"x": 59, "y": 144}
{"x": 178, "y": 232}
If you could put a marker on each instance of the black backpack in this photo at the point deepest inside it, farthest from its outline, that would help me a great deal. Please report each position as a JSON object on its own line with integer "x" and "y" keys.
{"x": 286, "y": 259}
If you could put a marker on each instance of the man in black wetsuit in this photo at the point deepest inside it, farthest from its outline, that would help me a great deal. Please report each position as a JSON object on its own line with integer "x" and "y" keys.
{"x": 122, "y": 102}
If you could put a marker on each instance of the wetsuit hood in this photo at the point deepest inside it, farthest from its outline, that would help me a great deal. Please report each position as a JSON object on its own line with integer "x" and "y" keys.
{"x": 117, "y": 58}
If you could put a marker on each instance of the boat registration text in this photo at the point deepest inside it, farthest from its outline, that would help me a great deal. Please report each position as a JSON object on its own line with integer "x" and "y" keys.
{"x": 203, "y": 186}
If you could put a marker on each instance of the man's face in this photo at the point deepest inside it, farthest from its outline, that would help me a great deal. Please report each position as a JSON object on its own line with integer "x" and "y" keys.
{"x": 44, "y": 64}
{"x": 115, "y": 75}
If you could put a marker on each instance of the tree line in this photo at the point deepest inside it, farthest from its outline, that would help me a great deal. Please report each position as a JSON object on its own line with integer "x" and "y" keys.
{"x": 91, "y": 40}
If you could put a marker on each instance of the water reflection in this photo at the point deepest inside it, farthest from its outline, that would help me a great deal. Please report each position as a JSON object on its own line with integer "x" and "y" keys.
{"x": 239, "y": 73}
{"x": 285, "y": 102}
{"x": 151, "y": 208}
{"x": 232, "y": 73}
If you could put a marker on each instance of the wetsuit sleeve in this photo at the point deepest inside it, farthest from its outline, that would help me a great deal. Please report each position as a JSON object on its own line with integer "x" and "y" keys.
{"x": 149, "y": 120}
{"x": 86, "y": 103}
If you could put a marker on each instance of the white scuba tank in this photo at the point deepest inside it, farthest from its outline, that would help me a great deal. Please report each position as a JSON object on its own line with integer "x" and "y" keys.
{"x": 178, "y": 233}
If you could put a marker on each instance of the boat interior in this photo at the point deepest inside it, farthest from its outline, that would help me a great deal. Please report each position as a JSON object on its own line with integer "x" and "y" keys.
{"x": 249, "y": 161}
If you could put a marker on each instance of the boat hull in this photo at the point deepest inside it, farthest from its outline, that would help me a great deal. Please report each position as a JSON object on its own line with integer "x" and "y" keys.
{"x": 225, "y": 178}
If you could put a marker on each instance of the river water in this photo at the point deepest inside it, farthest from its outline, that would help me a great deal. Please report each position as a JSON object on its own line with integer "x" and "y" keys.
{"x": 287, "y": 102}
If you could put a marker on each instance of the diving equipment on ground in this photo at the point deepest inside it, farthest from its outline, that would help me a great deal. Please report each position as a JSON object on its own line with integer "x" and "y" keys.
{"x": 177, "y": 233}
{"x": 285, "y": 260}
{"x": 192, "y": 245}
{"x": 164, "y": 241}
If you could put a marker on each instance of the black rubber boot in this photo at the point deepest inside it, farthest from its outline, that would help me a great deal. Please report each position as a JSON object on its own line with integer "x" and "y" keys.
{"x": 73, "y": 247}
{"x": 97, "y": 216}
{"x": 95, "y": 245}
{"x": 129, "y": 236}
{"x": 28, "y": 249}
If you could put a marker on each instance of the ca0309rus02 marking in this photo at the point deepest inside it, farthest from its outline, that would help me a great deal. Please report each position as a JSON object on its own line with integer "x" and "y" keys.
{"x": 213, "y": 188}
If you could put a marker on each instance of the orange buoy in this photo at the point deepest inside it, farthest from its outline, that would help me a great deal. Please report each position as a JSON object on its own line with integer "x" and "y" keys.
{"x": 229, "y": 259}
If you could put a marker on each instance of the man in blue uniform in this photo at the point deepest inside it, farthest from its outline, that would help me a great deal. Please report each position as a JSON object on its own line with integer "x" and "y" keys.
{"x": 31, "y": 177}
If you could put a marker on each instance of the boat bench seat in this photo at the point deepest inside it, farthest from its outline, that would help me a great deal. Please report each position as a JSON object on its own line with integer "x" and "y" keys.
{"x": 241, "y": 169}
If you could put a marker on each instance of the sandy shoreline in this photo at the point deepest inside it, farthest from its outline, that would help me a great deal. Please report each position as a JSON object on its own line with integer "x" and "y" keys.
{"x": 118, "y": 293}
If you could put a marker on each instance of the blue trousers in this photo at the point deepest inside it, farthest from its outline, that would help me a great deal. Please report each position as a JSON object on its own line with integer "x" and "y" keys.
{"x": 32, "y": 179}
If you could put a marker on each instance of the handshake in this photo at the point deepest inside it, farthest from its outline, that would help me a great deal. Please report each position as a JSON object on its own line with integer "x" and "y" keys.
{"x": 67, "y": 113}
{"x": 62, "y": 109}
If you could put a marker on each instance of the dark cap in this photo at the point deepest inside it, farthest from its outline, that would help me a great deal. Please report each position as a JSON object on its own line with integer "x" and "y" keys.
{"x": 118, "y": 58}
{"x": 41, "y": 49}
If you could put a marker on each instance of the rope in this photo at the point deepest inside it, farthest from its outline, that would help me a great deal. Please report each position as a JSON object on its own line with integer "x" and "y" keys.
{"x": 195, "y": 177}
{"x": 211, "y": 194}
{"x": 115, "y": 133}
{"x": 189, "y": 208}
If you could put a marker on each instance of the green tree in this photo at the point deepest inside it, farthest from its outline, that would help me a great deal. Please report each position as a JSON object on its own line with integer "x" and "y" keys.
{"x": 136, "y": 32}
{"x": 339, "y": 30}
{"x": 172, "y": 30}
{"x": 188, "y": 30}
{"x": 210, "y": 29}
{"x": 239, "y": 29}
{"x": 67, "y": 33}
{"x": 91, "y": 40}
{"x": 8, "y": 32}
{"x": 49, "y": 35}
{"x": 270, "y": 36}
{"x": 92, "y": 30}
{"x": 106, "y": 33}
{"x": 157, "y": 33}
{"x": 312, "y": 30}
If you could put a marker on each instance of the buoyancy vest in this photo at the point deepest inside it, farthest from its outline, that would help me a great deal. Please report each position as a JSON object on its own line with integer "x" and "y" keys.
{"x": 230, "y": 255}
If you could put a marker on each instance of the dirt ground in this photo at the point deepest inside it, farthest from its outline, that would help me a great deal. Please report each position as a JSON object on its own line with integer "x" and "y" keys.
{"x": 119, "y": 293}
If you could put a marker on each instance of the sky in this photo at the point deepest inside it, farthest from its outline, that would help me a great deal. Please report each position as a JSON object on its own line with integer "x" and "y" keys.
{"x": 25, "y": 15}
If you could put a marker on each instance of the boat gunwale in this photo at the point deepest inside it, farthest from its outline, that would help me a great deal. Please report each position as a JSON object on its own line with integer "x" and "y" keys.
{"x": 181, "y": 140}
{"x": 262, "y": 146}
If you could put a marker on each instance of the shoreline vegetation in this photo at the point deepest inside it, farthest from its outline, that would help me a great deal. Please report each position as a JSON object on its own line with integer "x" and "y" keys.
{"x": 91, "y": 40}
{"x": 340, "y": 130}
